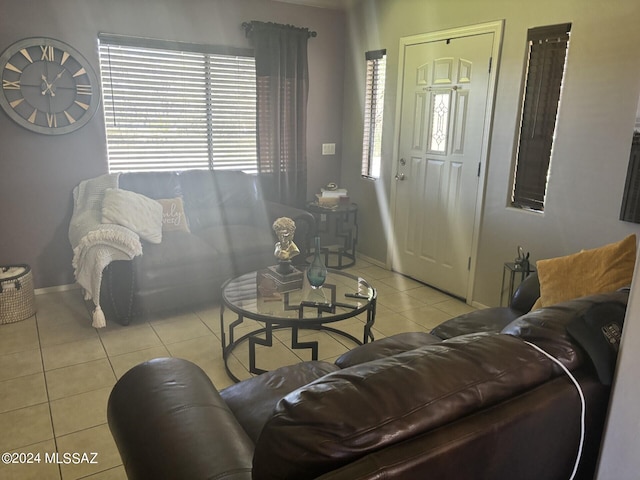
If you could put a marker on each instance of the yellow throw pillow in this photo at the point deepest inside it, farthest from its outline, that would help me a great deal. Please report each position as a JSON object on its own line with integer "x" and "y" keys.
{"x": 173, "y": 217}
{"x": 599, "y": 270}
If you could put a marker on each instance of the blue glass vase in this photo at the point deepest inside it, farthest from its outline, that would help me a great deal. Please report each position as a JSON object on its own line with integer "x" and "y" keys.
{"x": 317, "y": 271}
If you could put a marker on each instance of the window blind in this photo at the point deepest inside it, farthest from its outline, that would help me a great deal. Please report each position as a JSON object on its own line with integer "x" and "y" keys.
{"x": 177, "y": 106}
{"x": 373, "y": 113}
{"x": 546, "y": 64}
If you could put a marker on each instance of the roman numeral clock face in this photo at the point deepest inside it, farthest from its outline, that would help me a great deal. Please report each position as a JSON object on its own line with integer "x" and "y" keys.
{"x": 47, "y": 86}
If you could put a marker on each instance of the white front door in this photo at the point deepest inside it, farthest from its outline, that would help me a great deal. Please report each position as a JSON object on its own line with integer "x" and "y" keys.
{"x": 442, "y": 126}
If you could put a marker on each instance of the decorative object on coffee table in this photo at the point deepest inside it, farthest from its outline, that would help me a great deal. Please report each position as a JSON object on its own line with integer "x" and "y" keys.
{"x": 285, "y": 228}
{"x": 317, "y": 271}
{"x": 285, "y": 275}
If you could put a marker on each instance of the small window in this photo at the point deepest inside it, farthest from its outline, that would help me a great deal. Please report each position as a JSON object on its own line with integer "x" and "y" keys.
{"x": 373, "y": 112}
{"x": 177, "y": 106}
{"x": 546, "y": 59}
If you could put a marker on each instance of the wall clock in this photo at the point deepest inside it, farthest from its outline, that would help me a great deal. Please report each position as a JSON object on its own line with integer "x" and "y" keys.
{"x": 47, "y": 86}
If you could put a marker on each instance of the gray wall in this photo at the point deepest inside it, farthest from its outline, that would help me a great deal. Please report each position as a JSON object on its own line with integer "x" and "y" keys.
{"x": 594, "y": 131}
{"x": 38, "y": 172}
{"x": 595, "y": 127}
{"x": 619, "y": 459}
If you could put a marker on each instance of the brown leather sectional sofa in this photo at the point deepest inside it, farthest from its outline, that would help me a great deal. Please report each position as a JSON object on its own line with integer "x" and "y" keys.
{"x": 483, "y": 405}
{"x": 230, "y": 233}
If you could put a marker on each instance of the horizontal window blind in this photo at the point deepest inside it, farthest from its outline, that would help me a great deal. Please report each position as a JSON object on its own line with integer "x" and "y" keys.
{"x": 176, "y": 109}
{"x": 373, "y": 113}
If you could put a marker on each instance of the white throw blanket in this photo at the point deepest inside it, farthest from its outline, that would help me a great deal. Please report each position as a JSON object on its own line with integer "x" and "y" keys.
{"x": 95, "y": 244}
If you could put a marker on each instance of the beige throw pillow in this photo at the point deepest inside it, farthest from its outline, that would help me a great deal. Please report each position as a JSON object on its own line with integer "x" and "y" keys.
{"x": 141, "y": 214}
{"x": 599, "y": 270}
{"x": 173, "y": 217}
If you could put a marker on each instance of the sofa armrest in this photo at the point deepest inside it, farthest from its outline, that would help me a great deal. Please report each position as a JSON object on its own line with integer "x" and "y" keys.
{"x": 526, "y": 294}
{"x": 169, "y": 421}
{"x": 305, "y": 223}
{"x": 116, "y": 291}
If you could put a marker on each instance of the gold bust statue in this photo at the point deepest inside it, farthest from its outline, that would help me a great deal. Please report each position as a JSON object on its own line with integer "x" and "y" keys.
{"x": 285, "y": 228}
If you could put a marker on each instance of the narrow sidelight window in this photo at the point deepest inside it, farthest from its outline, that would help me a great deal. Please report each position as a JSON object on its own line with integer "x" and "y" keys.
{"x": 373, "y": 112}
{"x": 546, "y": 61}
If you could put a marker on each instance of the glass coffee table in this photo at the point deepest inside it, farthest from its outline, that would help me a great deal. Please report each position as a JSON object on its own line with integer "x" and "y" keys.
{"x": 250, "y": 297}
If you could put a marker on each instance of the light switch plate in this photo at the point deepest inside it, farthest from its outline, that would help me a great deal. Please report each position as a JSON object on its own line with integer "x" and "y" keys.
{"x": 328, "y": 149}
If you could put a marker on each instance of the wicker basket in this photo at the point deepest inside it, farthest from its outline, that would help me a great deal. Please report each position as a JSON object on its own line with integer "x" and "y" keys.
{"x": 17, "y": 300}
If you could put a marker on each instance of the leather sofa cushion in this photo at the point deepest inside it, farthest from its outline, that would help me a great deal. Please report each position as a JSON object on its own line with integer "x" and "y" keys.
{"x": 547, "y": 327}
{"x": 486, "y": 320}
{"x": 243, "y": 247}
{"x": 385, "y": 347}
{"x": 351, "y": 412}
{"x": 239, "y": 239}
{"x": 252, "y": 401}
{"x": 180, "y": 252}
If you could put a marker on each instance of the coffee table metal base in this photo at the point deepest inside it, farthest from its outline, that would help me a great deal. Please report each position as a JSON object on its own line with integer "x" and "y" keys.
{"x": 264, "y": 337}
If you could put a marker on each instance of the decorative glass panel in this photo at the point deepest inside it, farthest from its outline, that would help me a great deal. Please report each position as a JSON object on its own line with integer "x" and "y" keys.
{"x": 440, "y": 107}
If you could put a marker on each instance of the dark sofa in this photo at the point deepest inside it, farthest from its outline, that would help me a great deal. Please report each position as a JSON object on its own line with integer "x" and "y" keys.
{"x": 493, "y": 319}
{"x": 483, "y": 405}
{"x": 230, "y": 233}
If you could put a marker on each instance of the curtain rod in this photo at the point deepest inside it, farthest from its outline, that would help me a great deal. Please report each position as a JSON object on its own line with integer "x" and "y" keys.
{"x": 248, "y": 27}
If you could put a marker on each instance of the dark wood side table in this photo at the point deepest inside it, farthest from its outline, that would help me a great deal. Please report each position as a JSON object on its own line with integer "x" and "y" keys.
{"x": 338, "y": 231}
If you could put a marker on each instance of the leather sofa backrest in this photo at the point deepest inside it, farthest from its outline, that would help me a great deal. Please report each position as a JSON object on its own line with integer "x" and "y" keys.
{"x": 154, "y": 185}
{"x": 349, "y": 413}
{"x": 214, "y": 198}
{"x": 211, "y": 198}
{"x": 547, "y": 327}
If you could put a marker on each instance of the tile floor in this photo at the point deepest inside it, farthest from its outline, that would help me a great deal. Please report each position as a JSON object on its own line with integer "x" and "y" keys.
{"x": 56, "y": 371}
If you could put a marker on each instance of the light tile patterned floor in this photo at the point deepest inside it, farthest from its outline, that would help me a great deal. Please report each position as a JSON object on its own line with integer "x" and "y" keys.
{"x": 56, "y": 371}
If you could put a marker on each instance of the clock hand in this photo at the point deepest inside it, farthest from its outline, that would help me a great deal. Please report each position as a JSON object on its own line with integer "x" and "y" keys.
{"x": 57, "y": 78}
{"x": 48, "y": 85}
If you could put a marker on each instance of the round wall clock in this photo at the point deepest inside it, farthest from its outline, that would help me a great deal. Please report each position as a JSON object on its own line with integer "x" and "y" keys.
{"x": 47, "y": 86}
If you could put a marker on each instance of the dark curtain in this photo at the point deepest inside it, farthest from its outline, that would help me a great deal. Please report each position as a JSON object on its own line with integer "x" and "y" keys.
{"x": 282, "y": 76}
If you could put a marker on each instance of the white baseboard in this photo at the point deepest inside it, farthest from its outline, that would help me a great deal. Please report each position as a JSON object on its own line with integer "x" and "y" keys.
{"x": 57, "y": 288}
{"x": 380, "y": 264}
{"x": 373, "y": 261}
{"x": 478, "y": 305}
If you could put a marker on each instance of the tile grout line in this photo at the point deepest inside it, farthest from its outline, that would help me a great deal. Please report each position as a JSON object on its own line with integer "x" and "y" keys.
{"x": 46, "y": 387}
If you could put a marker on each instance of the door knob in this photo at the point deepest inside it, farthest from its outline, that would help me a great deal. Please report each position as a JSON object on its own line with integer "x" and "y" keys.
{"x": 400, "y": 176}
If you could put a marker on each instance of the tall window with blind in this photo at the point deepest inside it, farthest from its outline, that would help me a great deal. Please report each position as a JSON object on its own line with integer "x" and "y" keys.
{"x": 546, "y": 59}
{"x": 177, "y": 106}
{"x": 373, "y": 113}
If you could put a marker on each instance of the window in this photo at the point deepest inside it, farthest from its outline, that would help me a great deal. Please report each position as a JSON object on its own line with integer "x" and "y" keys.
{"x": 547, "y": 55}
{"x": 176, "y": 106}
{"x": 373, "y": 111}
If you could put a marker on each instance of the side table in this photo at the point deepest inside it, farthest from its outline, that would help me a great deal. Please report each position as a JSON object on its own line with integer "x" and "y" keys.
{"x": 338, "y": 231}
{"x": 512, "y": 269}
